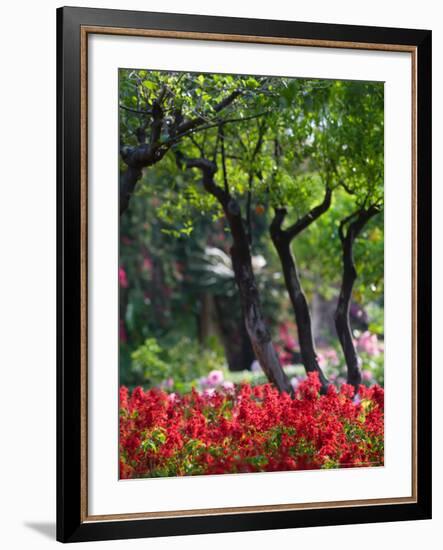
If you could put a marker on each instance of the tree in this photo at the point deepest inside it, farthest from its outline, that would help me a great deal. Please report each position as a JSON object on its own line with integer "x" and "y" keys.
{"x": 361, "y": 175}
{"x": 301, "y": 133}
{"x": 349, "y": 230}
{"x": 336, "y": 129}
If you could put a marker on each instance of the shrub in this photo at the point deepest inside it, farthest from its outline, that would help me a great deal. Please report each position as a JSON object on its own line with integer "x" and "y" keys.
{"x": 177, "y": 367}
{"x": 249, "y": 429}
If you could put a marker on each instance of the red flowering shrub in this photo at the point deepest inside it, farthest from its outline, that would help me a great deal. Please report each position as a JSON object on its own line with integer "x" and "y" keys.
{"x": 249, "y": 430}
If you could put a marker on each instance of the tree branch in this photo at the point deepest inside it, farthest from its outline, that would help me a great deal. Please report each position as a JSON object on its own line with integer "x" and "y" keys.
{"x": 277, "y": 220}
{"x": 302, "y": 223}
{"x": 222, "y": 142}
{"x": 357, "y": 220}
{"x": 190, "y": 124}
{"x": 259, "y": 143}
{"x": 136, "y": 111}
{"x": 346, "y": 188}
{"x": 144, "y": 155}
{"x": 362, "y": 219}
{"x": 157, "y": 123}
{"x": 343, "y": 222}
{"x": 208, "y": 169}
{"x": 255, "y": 152}
{"x": 214, "y": 124}
{"x": 248, "y": 208}
{"x": 199, "y": 147}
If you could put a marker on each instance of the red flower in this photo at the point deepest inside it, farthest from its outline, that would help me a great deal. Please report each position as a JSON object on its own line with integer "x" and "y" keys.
{"x": 249, "y": 430}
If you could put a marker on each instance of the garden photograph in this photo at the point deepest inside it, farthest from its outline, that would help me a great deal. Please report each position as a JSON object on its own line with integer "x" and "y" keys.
{"x": 250, "y": 273}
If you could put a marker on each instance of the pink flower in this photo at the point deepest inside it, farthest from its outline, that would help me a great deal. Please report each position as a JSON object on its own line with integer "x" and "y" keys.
{"x": 122, "y": 278}
{"x": 327, "y": 357}
{"x": 215, "y": 377}
{"x": 203, "y": 381}
{"x": 332, "y": 357}
{"x": 209, "y": 392}
{"x": 367, "y": 375}
{"x": 369, "y": 343}
{"x": 228, "y": 386}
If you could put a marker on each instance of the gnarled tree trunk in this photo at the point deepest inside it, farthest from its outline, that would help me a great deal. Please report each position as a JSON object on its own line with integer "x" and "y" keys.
{"x": 256, "y": 325}
{"x": 299, "y": 303}
{"x": 342, "y": 318}
{"x": 282, "y": 239}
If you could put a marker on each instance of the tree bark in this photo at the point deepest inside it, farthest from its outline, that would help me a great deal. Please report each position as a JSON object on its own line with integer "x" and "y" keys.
{"x": 282, "y": 239}
{"x": 255, "y": 323}
{"x": 342, "y": 318}
{"x": 128, "y": 181}
{"x": 256, "y": 326}
{"x": 299, "y": 303}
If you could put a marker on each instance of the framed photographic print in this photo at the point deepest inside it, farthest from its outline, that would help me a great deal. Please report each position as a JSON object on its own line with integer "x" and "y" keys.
{"x": 244, "y": 274}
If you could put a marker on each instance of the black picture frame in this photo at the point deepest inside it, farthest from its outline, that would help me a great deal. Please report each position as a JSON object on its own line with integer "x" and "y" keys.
{"x": 71, "y": 524}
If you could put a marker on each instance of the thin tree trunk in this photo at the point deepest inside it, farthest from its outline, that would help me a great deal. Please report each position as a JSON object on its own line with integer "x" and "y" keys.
{"x": 342, "y": 321}
{"x": 342, "y": 318}
{"x": 282, "y": 239}
{"x": 299, "y": 303}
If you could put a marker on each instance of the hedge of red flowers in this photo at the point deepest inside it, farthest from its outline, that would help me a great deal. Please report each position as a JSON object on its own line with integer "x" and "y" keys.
{"x": 246, "y": 429}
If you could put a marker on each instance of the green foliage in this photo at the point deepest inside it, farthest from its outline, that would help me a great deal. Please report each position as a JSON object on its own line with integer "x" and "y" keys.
{"x": 322, "y": 272}
{"x": 285, "y": 141}
{"x": 178, "y": 366}
{"x": 147, "y": 360}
